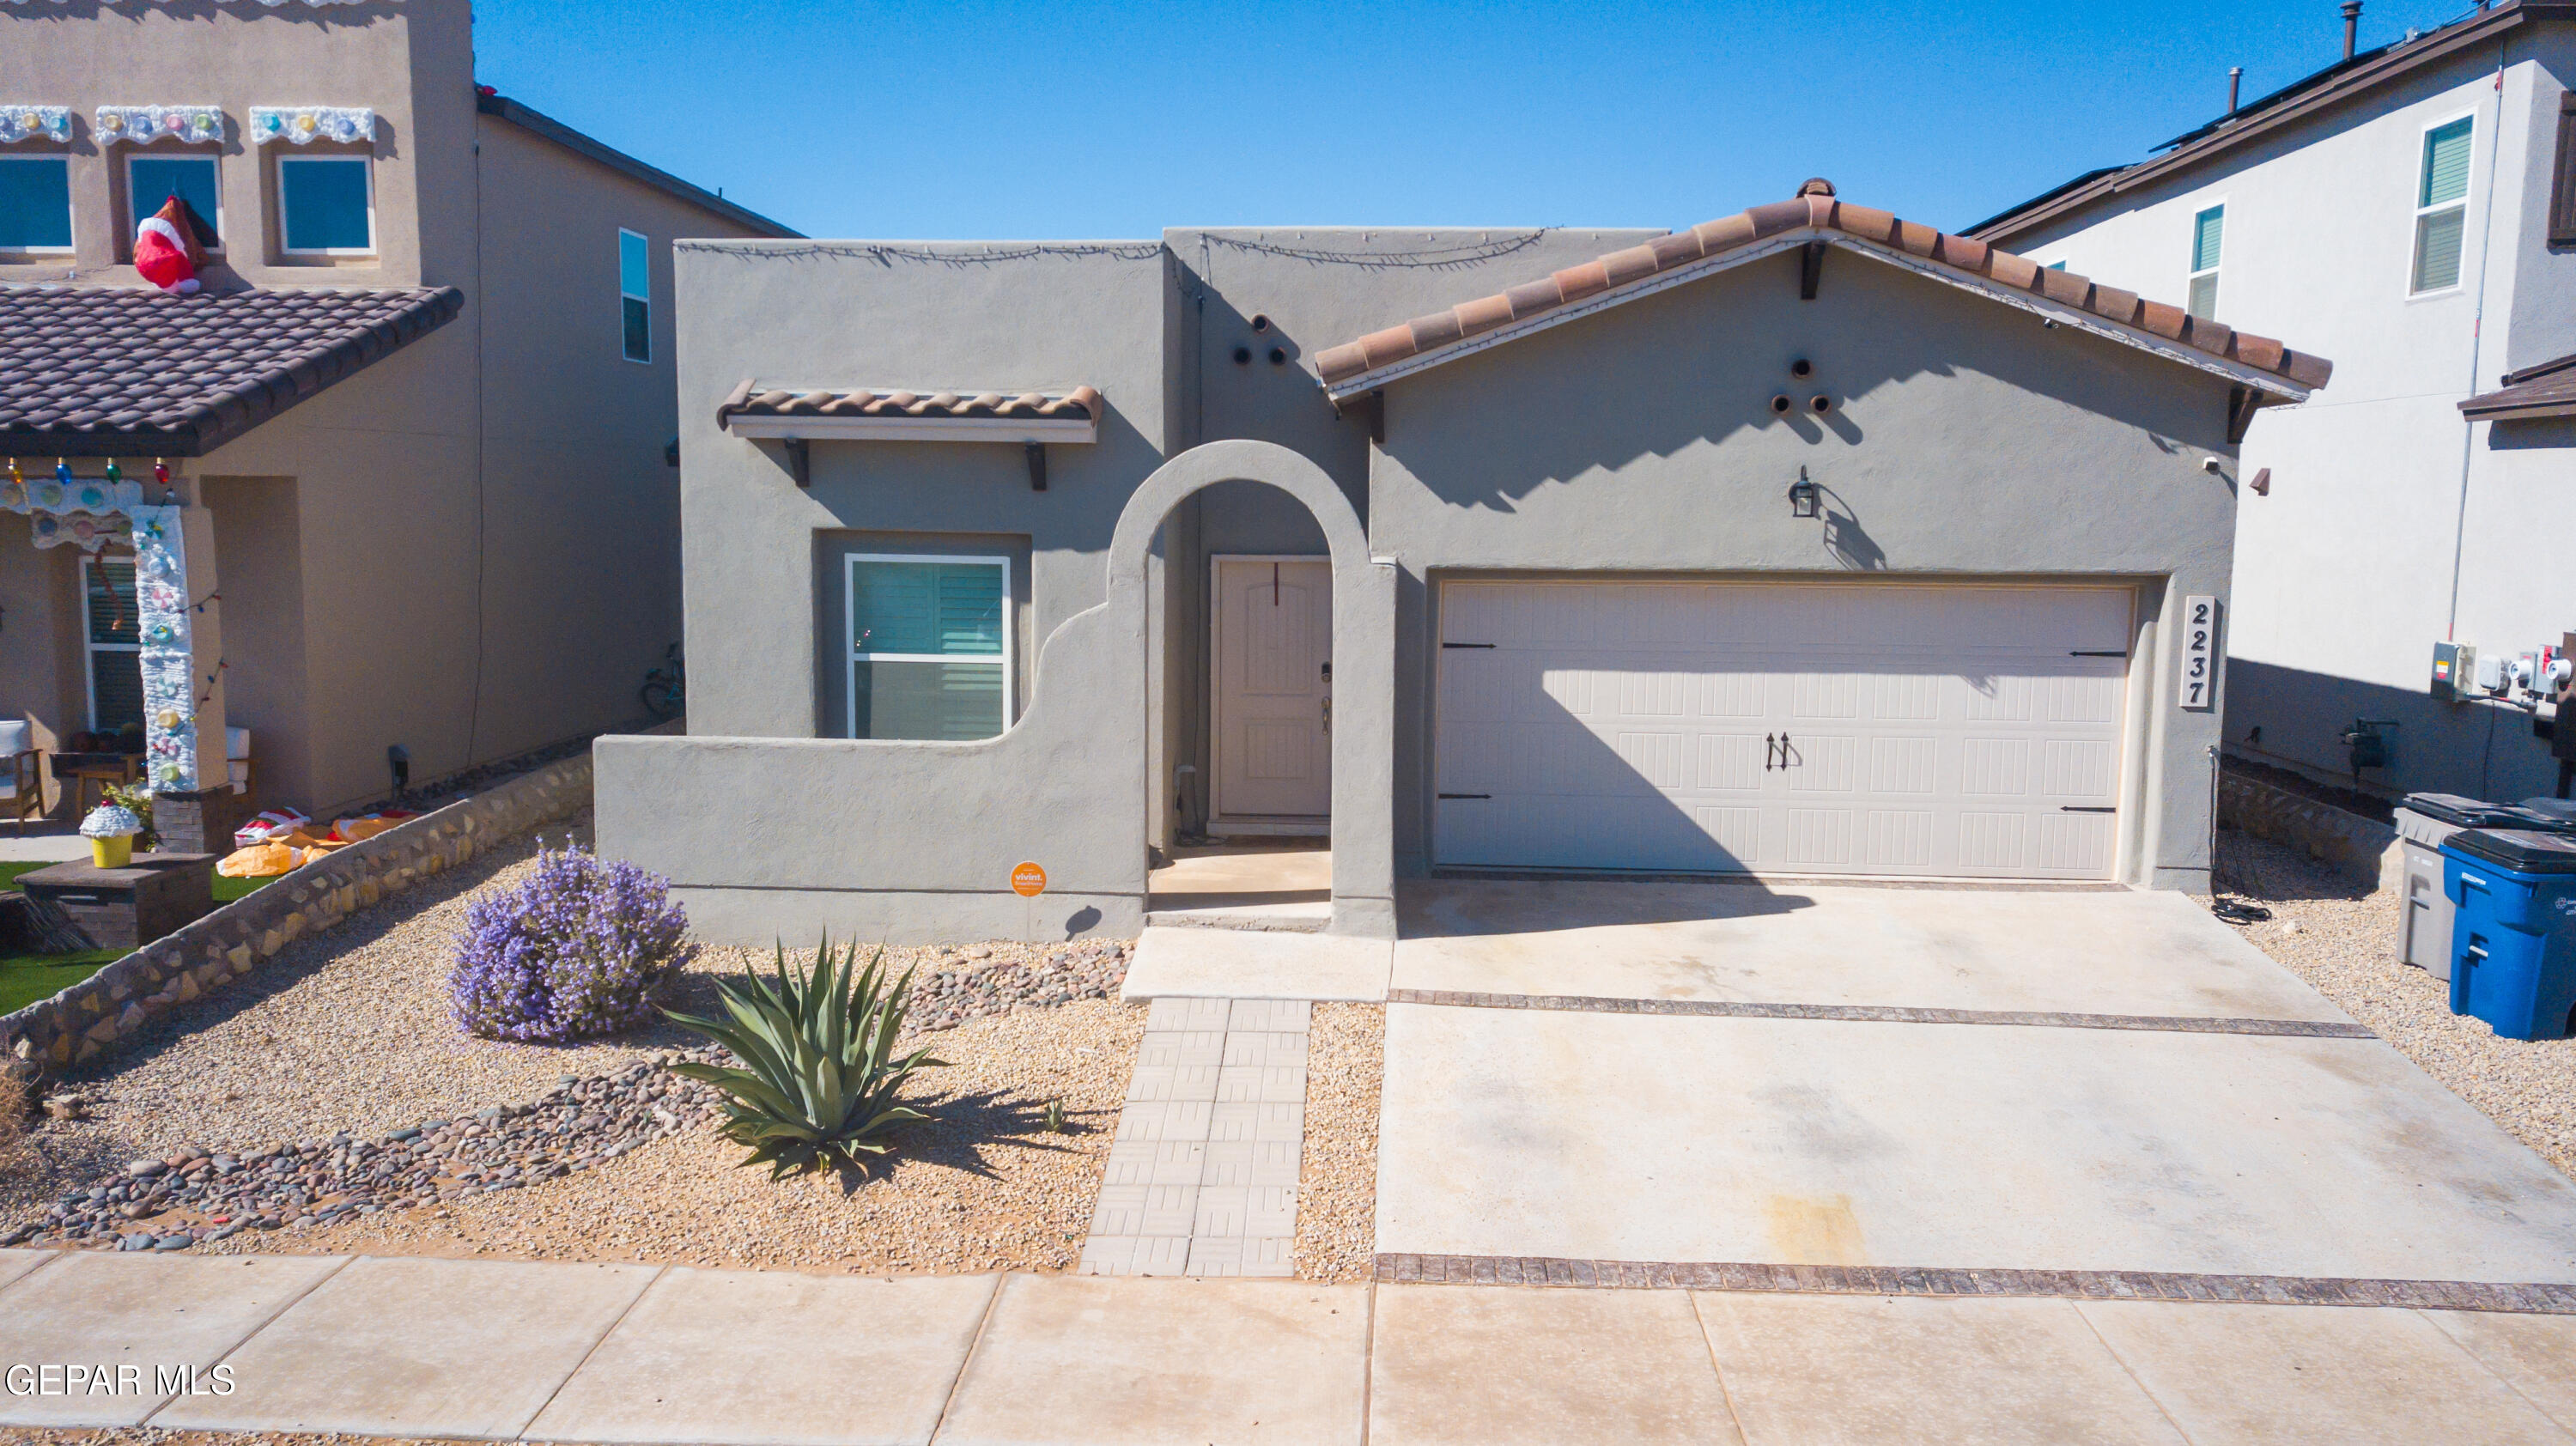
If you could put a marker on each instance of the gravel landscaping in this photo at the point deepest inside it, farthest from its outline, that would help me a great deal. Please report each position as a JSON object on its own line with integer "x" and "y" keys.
{"x": 2345, "y": 943}
{"x": 1337, "y": 1181}
{"x": 334, "y": 1082}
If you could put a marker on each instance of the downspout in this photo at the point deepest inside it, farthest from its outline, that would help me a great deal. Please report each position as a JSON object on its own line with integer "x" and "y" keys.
{"x": 2477, "y": 341}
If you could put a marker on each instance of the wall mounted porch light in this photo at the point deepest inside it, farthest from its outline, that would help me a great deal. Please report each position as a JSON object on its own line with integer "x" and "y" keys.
{"x": 1805, "y": 498}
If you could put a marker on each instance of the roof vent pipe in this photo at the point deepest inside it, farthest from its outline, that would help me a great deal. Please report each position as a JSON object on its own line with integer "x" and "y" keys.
{"x": 2351, "y": 26}
{"x": 2235, "y": 76}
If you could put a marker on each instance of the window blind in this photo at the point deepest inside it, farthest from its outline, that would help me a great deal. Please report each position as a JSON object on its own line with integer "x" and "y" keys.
{"x": 2206, "y": 230}
{"x": 2446, "y": 163}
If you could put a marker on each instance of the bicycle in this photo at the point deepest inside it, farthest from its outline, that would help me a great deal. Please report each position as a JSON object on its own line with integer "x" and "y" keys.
{"x": 665, "y": 691}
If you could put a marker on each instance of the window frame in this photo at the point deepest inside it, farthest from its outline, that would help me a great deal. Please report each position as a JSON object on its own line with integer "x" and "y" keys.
{"x": 624, "y": 296}
{"x": 90, "y": 646}
{"x": 851, "y": 657}
{"x": 2417, "y": 210}
{"x": 71, "y": 209}
{"x": 2191, "y": 273}
{"x": 284, "y": 247}
{"x": 135, "y": 216}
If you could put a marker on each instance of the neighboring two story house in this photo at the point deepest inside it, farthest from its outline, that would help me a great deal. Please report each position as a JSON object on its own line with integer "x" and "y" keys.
{"x": 2411, "y": 211}
{"x": 416, "y": 425}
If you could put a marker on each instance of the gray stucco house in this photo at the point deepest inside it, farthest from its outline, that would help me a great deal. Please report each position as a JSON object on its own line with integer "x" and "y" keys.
{"x": 1804, "y": 542}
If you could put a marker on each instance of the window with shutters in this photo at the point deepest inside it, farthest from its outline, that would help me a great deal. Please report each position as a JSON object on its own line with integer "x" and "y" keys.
{"x": 115, "y": 647}
{"x": 929, "y": 647}
{"x": 2441, "y": 206}
{"x": 2562, "y": 177}
{"x": 2208, "y": 229}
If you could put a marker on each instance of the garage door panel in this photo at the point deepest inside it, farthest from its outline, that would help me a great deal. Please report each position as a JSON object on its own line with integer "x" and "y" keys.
{"x": 1872, "y": 729}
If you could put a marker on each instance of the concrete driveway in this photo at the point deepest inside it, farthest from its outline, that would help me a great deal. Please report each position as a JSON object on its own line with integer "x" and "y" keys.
{"x": 1919, "y": 1079}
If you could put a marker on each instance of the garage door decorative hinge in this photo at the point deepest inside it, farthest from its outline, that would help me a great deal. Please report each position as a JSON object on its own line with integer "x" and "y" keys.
{"x": 1466, "y": 795}
{"x": 2086, "y": 808}
{"x": 1466, "y": 645}
{"x": 2097, "y": 652}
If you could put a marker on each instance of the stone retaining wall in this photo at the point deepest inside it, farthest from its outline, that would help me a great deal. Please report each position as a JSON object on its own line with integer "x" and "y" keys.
{"x": 75, "y": 1025}
{"x": 2356, "y": 846}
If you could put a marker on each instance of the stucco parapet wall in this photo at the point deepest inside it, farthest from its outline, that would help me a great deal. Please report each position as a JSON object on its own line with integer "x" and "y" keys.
{"x": 79, "y": 1023}
{"x": 2362, "y": 849}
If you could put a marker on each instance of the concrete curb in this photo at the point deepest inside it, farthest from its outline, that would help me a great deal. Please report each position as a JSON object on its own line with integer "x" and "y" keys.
{"x": 86, "y": 1018}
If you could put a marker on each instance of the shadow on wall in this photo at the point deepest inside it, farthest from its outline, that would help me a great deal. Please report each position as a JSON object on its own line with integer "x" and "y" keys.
{"x": 2478, "y": 749}
{"x": 2534, "y": 435}
{"x": 1701, "y": 366}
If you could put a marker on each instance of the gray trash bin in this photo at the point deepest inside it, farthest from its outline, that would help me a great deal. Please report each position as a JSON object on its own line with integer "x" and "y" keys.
{"x": 2425, "y": 822}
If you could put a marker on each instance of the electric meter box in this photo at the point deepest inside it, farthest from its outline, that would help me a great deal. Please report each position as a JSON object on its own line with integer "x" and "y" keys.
{"x": 2455, "y": 670}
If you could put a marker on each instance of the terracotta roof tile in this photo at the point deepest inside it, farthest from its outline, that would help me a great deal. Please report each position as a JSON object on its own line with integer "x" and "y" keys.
{"x": 1815, "y": 207}
{"x": 751, "y": 400}
{"x": 118, "y": 371}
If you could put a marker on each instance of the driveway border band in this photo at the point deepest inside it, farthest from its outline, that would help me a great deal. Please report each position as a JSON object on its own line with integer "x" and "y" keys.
{"x": 1881, "y": 1014}
{"x": 2531, "y": 1299}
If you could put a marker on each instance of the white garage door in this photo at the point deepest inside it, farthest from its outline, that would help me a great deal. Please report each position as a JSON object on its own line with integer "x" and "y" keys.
{"x": 1790, "y": 728}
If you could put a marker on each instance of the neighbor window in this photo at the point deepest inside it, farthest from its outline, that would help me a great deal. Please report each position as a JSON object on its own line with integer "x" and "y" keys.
{"x": 115, "y": 645}
{"x": 635, "y": 294}
{"x": 2441, "y": 206}
{"x": 2562, "y": 176}
{"x": 35, "y": 203}
{"x": 929, "y": 647}
{"x": 2207, "y": 230}
{"x": 150, "y": 182}
{"x": 325, "y": 206}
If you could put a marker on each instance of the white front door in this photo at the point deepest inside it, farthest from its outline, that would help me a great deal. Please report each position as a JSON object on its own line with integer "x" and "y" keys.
{"x": 1922, "y": 729}
{"x": 1274, "y": 687}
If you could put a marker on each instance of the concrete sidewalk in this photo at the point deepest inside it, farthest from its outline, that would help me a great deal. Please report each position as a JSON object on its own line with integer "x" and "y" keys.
{"x": 632, "y": 1353}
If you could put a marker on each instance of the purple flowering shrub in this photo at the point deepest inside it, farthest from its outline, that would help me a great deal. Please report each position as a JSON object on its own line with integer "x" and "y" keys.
{"x": 580, "y": 948}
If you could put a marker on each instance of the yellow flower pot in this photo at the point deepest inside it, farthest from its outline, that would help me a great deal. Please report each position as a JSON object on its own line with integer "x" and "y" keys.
{"x": 112, "y": 853}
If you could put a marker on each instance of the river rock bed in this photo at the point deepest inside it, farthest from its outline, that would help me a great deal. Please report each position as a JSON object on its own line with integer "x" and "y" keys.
{"x": 195, "y": 1195}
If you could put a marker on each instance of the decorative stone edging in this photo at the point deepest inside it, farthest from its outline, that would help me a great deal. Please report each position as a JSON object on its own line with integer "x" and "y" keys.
{"x": 2351, "y": 843}
{"x": 76, "y": 1024}
{"x": 2537, "y": 1299}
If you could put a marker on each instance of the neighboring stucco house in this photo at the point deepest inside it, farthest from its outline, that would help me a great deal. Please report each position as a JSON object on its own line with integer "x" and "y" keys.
{"x": 1804, "y": 542}
{"x": 418, "y": 418}
{"x": 2410, "y": 210}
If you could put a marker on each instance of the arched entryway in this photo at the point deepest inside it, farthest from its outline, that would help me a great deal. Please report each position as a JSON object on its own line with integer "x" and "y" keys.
{"x": 1363, "y": 693}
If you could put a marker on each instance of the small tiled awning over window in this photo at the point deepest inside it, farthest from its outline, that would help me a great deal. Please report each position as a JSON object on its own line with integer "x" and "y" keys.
{"x": 100, "y": 371}
{"x": 944, "y": 416}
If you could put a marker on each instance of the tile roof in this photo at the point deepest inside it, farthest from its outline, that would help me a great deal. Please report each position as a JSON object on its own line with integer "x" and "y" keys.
{"x": 2546, "y": 390}
{"x": 127, "y": 371}
{"x": 750, "y": 400}
{"x": 1815, "y": 214}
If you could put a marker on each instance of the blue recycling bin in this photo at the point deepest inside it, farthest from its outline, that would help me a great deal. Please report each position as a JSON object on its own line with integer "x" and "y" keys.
{"x": 2513, "y": 939}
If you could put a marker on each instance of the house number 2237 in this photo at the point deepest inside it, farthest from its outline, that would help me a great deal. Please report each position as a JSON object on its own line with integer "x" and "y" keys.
{"x": 2199, "y": 654}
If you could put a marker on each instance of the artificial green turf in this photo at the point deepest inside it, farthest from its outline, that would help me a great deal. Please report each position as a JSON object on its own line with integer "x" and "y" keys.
{"x": 26, "y": 978}
{"x": 227, "y": 890}
{"x": 10, "y": 870}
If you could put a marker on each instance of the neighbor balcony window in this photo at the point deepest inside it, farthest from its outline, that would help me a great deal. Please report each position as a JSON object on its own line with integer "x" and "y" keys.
{"x": 150, "y": 182}
{"x": 326, "y": 205}
{"x": 635, "y": 294}
{"x": 929, "y": 647}
{"x": 2441, "y": 206}
{"x": 2208, "y": 229}
{"x": 35, "y": 204}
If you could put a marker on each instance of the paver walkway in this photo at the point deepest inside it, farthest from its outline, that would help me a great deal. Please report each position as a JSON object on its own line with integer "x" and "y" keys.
{"x": 1202, "y": 1179}
{"x": 635, "y": 1353}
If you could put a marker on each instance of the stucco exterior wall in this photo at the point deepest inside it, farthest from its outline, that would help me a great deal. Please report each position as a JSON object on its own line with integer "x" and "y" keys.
{"x": 1966, "y": 439}
{"x": 411, "y": 62}
{"x": 470, "y": 549}
{"x": 2391, "y": 525}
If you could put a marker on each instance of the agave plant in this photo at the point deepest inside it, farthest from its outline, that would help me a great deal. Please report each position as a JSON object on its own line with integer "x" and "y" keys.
{"x": 819, "y": 1071}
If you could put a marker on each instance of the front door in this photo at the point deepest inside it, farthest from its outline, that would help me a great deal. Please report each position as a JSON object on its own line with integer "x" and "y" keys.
{"x": 1274, "y": 690}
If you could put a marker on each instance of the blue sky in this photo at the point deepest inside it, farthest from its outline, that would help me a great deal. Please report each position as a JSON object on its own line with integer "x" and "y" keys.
{"x": 1070, "y": 120}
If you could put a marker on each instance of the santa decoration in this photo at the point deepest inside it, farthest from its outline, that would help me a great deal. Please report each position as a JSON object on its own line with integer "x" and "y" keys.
{"x": 166, "y": 249}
